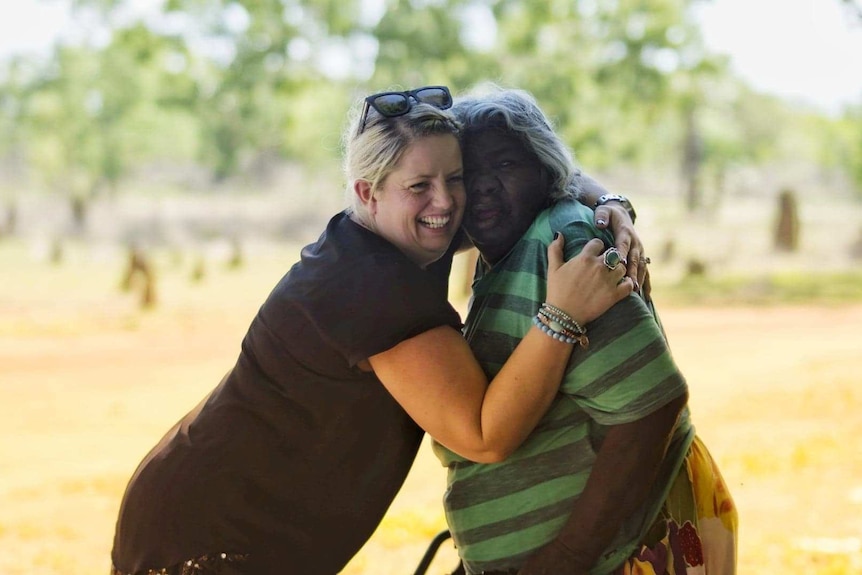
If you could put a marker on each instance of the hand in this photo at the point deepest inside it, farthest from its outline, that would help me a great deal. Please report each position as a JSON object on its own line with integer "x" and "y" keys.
{"x": 614, "y": 216}
{"x": 553, "y": 559}
{"x": 584, "y": 287}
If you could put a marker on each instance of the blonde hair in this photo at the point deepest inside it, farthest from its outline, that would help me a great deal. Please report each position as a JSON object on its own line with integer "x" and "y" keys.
{"x": 373, "y": 154}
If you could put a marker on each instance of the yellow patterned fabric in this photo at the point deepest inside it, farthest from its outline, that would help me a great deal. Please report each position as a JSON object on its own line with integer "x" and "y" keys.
{"x": 697, "y": 530}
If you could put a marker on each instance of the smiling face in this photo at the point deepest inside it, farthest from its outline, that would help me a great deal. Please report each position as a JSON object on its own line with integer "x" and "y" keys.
{"x": 420, "y": 204}
{"x": 506, "y": 189}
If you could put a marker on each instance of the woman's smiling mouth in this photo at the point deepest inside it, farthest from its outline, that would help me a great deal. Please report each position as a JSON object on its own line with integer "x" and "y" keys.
{"x": 435, "y": 222}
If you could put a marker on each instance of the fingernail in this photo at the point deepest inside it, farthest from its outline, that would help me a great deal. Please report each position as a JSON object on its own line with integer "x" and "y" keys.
{"x": 556, "y": 235}
{"x": 600, "y": 222}
{"x": 637, "y": 285}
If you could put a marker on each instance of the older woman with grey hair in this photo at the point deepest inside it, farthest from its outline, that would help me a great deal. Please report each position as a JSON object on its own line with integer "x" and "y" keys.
{"x": 288, "y": 465}
{"x": 613, "y": 479}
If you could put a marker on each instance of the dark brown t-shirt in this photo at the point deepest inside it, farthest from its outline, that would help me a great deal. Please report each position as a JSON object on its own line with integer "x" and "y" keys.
{"x": 295, "y": 456}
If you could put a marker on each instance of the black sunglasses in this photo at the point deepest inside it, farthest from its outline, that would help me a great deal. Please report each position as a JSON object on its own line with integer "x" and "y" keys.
{"x": 392, "y": 104}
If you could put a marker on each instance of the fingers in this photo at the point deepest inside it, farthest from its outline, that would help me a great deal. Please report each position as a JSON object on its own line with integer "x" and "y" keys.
{"x": 647, "y": 287}
{"x": 556, "y": 250}
{"x": 619, "y": 273}
{"x": 594, "y": 247}
{"x": 634, "y": 270}
{"x": 623, "y": 243}
{"x": 602, "y": 217}
{"x": 624, "y": 287}
{"x": 556, "y": 253}
{"x": 618, "y": 221}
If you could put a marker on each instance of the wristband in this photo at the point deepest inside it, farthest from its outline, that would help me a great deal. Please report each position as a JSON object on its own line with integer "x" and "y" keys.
{"x": 617, "y": 198}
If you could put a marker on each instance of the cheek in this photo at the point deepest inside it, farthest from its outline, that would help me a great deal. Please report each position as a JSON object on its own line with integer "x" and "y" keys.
{"x": 460, "y": 196}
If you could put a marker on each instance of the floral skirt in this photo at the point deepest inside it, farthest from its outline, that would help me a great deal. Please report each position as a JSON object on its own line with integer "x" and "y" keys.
{"x": 697, "y": 530}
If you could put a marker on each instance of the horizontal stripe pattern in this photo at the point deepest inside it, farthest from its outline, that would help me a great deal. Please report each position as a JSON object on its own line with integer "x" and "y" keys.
{"x": 499, "y": 513}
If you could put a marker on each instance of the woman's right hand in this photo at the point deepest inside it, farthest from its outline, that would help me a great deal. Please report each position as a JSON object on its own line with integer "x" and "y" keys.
{"x": 584, "y": 287}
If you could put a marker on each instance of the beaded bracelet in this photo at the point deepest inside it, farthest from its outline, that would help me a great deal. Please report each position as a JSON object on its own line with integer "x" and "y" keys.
{"x": 562, "y": 327}
{"x": 556, "y": 310}
{"x": 562, "y": 334}
{"x": 557, "y": 315}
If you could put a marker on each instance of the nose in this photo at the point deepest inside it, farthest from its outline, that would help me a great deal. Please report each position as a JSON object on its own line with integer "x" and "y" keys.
{"x": 444, "y": 196}
{"x": 481, "y": 182}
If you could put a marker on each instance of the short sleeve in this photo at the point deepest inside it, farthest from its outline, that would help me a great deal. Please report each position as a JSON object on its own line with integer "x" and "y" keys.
{"x": 575, "y": 221}
{"x": 375, "y": 308}
{"x": 627, "y": 372}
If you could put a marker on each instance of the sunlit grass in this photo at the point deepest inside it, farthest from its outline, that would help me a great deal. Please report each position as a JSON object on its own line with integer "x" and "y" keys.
{"x": 762, "y": 460}
{"x": 111, "y": 487}
{"x": 409, "y": 525}
{"x": 827, "y": 556}
{"x": 774, "y": 289}
{"x": 780, "y": 421}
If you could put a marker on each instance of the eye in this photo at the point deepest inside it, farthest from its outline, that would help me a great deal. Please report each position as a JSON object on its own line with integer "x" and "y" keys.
{"x": 456, "y": 180}
{"x": 419, "y": 187}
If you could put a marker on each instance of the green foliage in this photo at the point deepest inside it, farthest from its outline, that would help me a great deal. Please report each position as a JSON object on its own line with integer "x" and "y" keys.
{"x": 845, "y": 145}
{"x": 416, "y": 45}
{"x": 627, "y": 83}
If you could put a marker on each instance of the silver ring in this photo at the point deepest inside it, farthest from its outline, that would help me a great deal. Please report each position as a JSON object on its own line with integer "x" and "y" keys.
{"x": 612, "y": 258}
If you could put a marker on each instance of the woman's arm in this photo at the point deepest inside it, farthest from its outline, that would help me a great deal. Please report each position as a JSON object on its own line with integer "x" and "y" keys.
{"x": 615, "y": 216}
{"x": 625, "y": 468}
{"x": 438, "y": 381}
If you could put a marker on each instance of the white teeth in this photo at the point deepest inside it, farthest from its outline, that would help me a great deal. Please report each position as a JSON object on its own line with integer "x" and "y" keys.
{"x": 435, "y": 221}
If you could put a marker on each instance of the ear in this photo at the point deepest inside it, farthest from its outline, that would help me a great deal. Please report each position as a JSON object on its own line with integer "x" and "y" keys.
{"x": 362, "y": 189}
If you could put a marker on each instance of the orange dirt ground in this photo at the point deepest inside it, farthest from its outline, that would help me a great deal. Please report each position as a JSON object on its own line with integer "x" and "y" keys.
{"x": 88, "y": 384}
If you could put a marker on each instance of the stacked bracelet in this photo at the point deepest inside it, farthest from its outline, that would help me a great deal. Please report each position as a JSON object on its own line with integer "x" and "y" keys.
{"x": 554, "y": 313}
{"x": 559, "y": 325}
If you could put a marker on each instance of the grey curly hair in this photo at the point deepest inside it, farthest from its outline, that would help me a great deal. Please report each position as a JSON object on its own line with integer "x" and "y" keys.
{"x": 492, "y": 106}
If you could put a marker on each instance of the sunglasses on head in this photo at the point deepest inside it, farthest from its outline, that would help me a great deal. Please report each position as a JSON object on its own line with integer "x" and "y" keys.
{"x": 392, "y": 104}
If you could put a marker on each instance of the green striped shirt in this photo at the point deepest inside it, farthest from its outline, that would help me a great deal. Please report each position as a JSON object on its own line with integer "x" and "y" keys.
{"x": 500, "y": 513}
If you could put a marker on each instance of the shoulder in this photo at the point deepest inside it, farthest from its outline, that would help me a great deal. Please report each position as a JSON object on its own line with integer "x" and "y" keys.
{"x": 629, "y": 353}
{"x": 347, "y": 252}
{"x": 361, "y": 293}
{"x": 574, "y": 220}
{"x": 350, "y": 267}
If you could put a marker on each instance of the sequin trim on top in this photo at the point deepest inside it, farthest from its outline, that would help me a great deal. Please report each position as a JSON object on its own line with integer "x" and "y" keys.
{"x": 205, "y": 565}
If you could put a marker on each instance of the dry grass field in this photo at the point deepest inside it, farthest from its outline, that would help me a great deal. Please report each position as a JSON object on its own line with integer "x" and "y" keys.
{"x": 88, "y": 382}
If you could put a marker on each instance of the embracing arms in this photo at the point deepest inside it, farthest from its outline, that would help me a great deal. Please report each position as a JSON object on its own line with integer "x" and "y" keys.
{"x": 438, "y": 381}
{"x": 623, "y": 473}
{"x": 615, "y": 216}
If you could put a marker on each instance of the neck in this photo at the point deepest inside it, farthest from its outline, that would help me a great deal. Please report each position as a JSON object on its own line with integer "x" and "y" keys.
{"x": 361, "y": 221}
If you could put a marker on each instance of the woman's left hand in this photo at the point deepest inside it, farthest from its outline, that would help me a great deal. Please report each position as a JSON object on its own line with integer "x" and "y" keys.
{"x": 614, "y": 216}
{"x": 553, "y": 559}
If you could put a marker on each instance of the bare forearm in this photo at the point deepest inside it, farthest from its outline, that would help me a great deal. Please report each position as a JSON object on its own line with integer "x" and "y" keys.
{"x": 520, "y": 394}
{"x": 624, "y": 471}
{"x": 591, "y": 190}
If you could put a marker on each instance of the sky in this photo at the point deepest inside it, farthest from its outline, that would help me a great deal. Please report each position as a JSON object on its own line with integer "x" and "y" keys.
{"x": 808, "y": 50}
{"x": 805, "y": 50}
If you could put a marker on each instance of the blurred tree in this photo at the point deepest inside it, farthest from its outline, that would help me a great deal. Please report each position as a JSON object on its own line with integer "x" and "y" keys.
{"x": 13, "y": 167}
{"x": 606, "y": 72}
{"x": 423, "y": 43}
{"x": 787, "y": 225}
{"x": 95, "y": 112}
{"x": 61, "y": 110}
{"x": 240, "y": 85}
{"x": 246, "y": 61}
{"x": 854, "y": 7}
{"x": 856, "y": 148}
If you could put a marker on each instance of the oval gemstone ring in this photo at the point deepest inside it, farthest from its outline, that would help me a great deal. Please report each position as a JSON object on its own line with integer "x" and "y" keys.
{"x": 612, "y": 258}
